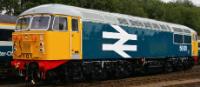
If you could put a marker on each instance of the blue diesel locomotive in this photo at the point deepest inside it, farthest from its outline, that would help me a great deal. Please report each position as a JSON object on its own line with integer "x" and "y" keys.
{"x": 72, "y": 42}
{"x": 7, "y": 26}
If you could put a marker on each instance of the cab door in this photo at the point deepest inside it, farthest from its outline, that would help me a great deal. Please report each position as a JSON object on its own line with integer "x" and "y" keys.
{"x": 194, "y": 45}
{"x": 76, "y": 38}
{"x": 195, "y": 48}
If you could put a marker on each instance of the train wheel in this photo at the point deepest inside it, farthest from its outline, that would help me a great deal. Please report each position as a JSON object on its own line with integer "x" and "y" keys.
{"x": 99, "y": 75}
{"x": 186, "y": 64}
{"x": 78, "y": 73}
{"x": 121, "y": 71}
{"x": 178, "y": 66}
{"x": 32, "y": 75}
{"x": 98, "y": 72}
{"x": 190, "y": 63}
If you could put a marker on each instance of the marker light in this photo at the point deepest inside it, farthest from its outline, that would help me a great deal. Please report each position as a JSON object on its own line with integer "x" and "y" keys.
{"x": 34, "y": 38}
{"x": 14, "y": 38}
{"x": 19, "y": 37}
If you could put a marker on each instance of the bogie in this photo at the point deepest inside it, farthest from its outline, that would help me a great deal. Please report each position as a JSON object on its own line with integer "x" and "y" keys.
{"x": 102, "y": 70}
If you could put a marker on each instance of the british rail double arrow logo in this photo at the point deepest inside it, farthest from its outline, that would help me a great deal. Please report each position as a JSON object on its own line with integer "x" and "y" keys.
{"x": 119, "y": 47}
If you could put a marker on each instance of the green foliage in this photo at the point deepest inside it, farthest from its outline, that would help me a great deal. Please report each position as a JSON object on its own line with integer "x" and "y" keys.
{"x": 181, "y": 11}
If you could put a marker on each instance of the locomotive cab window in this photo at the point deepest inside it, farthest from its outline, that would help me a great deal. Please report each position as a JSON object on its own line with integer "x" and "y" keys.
{"x": 60, "y": 23}
{"x": 74, "y": 24}
{"x": 40, "y": 22}
{"x": 23, "y": 23}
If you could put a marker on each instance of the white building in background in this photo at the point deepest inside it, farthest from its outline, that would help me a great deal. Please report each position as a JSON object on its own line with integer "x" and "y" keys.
{"x": 195, "y": 2}
{"x": 3, "y": 12}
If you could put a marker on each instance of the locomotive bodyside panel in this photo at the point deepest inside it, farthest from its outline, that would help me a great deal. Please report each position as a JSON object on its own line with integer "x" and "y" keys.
{"x": 148, "y": 43}
{"x": 57, "y": 47}
{"x": 5, "y": 53}
{"x": 195, "y": 44}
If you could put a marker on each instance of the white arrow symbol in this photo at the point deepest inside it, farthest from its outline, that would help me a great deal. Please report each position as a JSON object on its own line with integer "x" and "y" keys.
{"x": 119, "y": 46}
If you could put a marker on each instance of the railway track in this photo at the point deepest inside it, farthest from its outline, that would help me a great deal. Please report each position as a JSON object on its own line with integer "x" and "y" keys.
{"x": 152, "y": 80}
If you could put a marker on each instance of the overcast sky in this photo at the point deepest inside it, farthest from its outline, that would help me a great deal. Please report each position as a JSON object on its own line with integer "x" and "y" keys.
{"x": 196, "y": 2}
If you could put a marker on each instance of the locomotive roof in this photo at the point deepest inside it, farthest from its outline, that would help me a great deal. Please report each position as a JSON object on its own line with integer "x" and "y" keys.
{"x": 107, "y": 17}
{"x": 7, "y": 22}
{"x": 7, "y": 19}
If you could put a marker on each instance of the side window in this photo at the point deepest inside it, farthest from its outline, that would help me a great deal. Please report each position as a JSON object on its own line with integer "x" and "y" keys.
{"x": 178, "y": 38}
{"x": 60, "y": 23}
{"x": 187, "y": 39}
{"x": 74, "y": 24}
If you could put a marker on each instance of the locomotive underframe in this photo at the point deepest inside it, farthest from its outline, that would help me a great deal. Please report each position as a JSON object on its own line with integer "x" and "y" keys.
{"x": 100, "y": 70}
{"x": 5, "y": 69}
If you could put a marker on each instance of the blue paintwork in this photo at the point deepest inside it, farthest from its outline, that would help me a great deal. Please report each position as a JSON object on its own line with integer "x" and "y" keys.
{"x": 150, "y": 43}
{"x": 5, "y": 53}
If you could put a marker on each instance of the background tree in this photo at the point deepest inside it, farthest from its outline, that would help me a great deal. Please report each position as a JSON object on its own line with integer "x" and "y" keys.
{"x": 180, "y": 11}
